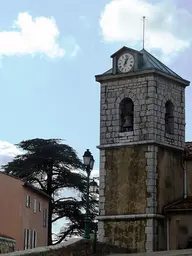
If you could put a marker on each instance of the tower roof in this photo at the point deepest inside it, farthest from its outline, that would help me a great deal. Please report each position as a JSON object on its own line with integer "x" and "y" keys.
{"x": 149, "y": 62}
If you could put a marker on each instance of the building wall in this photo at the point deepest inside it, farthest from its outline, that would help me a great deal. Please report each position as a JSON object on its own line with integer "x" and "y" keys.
{"x": 32, "y": 220}
{"x": 189, "y": 176}
{"x": 180, "y": 227}
{"x": 15, "y": 217}
{"x": 170, "y": 184}
{"x": 11, "y": 208}
{"x": 170, "y": 187}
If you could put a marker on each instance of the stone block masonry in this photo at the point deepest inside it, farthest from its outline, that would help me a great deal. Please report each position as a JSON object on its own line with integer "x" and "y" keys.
{"x": 151, "y": 185}
{"x": 130, "y": 171}
{"x": 149, "y": 95}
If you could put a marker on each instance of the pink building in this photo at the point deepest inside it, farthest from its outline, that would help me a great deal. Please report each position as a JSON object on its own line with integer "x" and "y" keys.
{"x": 23, "y": 212}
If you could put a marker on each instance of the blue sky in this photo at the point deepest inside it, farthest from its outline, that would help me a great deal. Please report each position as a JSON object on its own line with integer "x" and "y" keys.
{"x": 43, "y": 97}
{"x": 50, "y": 52}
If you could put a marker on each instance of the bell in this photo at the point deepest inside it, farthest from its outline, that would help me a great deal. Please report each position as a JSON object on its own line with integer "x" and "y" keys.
{"x": 128, "y": 122}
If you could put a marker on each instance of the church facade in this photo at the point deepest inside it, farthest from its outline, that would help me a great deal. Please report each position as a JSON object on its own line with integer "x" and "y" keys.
{"x": 145, "y": 183}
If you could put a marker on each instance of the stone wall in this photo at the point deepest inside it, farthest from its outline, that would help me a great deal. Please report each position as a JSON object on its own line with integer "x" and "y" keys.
{"x": 73, "y": 247}
{"x": 7, "y": 244}
{"x": 125, "y": 189}
{"x": 128, "y": 187}
{"x": 81, "y": 247}
{"x": 149, "y": 95}
{"x": 128, "y": 233}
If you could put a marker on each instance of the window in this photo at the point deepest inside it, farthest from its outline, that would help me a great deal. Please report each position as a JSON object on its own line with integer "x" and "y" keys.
{"x": 30, "y": 239}
{"x": 40, "y": 206}
{"x": 126, "y": 115}
{"x": 169, "y": 118}
{"x": 35, "y": 205}
{"x": 44, "y": 217}
{"x": 28, "y": 201}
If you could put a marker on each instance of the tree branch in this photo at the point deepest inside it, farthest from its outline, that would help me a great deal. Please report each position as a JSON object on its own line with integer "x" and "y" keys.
{"x": 57, "y": 218}
{"x": 64, "y": 198}
{"x": 66, "y": 233}
{"x": 39, "y": 182}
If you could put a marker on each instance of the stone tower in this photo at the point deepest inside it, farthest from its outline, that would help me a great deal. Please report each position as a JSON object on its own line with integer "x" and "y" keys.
{"x": 142, "y": 137}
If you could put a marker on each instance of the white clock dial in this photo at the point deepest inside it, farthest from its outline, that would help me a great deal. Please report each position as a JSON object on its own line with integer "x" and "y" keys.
{"x": 125, "y": 62}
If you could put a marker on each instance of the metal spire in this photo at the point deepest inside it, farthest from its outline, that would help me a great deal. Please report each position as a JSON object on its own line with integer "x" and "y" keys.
{"x": 143, "y": 32}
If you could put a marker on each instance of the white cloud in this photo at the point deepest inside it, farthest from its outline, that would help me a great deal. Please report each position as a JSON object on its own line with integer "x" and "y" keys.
{"x": 31, "y": 36}
{"x": 168, "y": 28}
{"x": 7, "y": 152}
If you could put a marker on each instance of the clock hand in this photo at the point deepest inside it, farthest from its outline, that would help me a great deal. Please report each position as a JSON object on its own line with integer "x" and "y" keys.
{"x": 126, "y": 61}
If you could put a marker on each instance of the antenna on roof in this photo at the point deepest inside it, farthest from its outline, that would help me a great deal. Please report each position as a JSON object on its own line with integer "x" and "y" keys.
{"x": 143, "y": 32}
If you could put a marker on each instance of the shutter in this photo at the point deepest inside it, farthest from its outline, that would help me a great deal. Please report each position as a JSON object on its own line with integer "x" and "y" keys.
{"x": 27, "y": 237}
{"x": 31, "y": 239}
{"x": 34, "y": 238}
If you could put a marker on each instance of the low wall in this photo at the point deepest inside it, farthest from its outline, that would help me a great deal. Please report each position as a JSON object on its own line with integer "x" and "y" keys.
{"x": 82, "y": 247}
{"x": 73, "y": 247}
{"x": 7, "y": 244}
{"x": 187, "y": 252}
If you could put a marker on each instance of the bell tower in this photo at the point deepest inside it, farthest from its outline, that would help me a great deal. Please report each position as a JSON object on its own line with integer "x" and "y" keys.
{"x": 142, "y": 137}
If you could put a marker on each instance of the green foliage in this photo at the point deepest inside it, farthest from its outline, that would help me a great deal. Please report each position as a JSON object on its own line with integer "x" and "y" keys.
{"x": 53, "y": 166}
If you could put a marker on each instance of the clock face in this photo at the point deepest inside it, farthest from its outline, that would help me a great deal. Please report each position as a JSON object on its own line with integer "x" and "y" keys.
{"x": 125, "y": 62}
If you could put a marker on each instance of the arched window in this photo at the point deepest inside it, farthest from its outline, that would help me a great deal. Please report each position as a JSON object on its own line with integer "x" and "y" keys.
{"x": 126, "y": 115}
{"x": 169, "y": 118}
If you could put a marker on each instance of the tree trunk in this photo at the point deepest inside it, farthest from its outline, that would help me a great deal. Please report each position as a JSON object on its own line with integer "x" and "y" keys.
{"x": 50, "y": 223}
